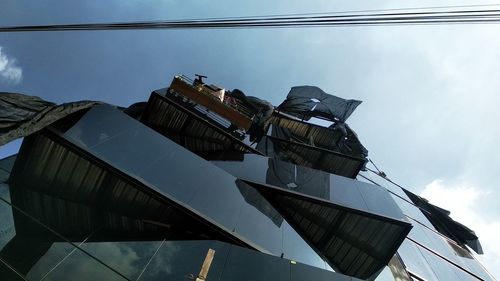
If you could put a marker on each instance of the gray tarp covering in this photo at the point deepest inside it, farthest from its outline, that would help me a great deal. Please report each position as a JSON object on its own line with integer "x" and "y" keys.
{"x": 300, "y": 102}
{"x": 21, "y": 115}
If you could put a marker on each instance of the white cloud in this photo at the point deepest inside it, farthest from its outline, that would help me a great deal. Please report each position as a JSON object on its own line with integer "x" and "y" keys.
{"x": 463, "y": 201}
{"x": 9, "y": 71}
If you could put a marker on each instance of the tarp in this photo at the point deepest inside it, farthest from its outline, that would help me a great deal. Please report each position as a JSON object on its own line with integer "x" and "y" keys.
{"x": 22, "y": 115}
{"x": 310, "y": 101}
{"x": 441, "y": 220}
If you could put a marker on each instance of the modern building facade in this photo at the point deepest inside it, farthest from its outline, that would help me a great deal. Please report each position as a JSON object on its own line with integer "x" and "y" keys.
{"x": 204, "y": 184}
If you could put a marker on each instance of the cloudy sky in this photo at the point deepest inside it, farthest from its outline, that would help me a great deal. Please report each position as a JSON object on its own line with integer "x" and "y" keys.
{"x": 429, "y": 93}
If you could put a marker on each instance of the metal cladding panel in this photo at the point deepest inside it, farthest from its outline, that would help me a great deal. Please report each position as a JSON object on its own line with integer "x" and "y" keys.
{"x": 353, "y": 242}
{"x": 189, "y": 129}
{"x": 310, "y": 156}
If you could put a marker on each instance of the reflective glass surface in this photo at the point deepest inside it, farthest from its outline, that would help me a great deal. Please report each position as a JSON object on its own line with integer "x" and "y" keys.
{"x": 81, "y": 267}
{"x": 183, "y": 177}
{"x": 27, "y": 246}
{"x": 415, "y": 261}
{"x": 183, "y": 260}
{"x": 337, "y": 189}
{"x": 441, "y": 269}
{"x": 302, "y": 272}
{"x": 243, "y": 264}
{"x": 385, "y": 275}
{"x": 412, "y": 211}
{"x": 128, "y": 257}
{"x": 294, "y": 247}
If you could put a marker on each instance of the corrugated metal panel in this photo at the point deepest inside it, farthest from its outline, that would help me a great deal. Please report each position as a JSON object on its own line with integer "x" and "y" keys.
{"x": 75, "y": 195}
{"x": 314, "y": 135}
{"x": 310, "y": 156}
{"x": 189, "y": 129}
{"x": 353, "y": 242}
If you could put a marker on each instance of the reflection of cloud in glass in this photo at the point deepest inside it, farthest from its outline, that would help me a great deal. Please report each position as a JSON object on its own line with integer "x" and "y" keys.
{"x": 128, "y": 258}
{"x": 161, "y": 265}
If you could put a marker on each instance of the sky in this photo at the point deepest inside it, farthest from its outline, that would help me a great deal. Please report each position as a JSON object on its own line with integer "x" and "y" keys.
{"x": 429, "y": 113}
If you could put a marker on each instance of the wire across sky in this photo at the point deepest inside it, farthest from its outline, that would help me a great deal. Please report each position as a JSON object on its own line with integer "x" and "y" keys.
{"x": 413, "y": 16}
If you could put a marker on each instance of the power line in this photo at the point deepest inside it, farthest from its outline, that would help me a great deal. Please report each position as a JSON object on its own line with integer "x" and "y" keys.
{"x": 286, "y": 21}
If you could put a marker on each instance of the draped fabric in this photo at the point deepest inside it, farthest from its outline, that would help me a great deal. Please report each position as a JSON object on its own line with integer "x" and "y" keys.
{"x": 22, "y": 115}
{"x": 309, "y": 101}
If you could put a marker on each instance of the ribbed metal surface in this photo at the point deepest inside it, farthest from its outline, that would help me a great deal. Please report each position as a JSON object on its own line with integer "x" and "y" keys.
{"x": 309, "y": 156}
{"x": 353, "y": 242}
{"x": 314, "y": 135}
{"x": 76, "y": 196}
{"x": 188, "y": 128}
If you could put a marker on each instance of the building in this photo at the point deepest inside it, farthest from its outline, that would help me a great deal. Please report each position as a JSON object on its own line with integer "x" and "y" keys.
{"x": 200, "y": 183}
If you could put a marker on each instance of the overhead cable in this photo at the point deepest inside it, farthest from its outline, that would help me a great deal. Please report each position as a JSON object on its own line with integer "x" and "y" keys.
{"x": 287, "y": 21}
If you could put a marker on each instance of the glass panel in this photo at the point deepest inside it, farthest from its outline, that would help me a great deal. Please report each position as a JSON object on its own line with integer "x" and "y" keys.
{"x": 295, "y": 248}
{"x": 447, "y": 249}
{"x": 81, "y": 267}
{"x": 5, "y": 192}
{"x": 345, "y": 192}
{"x": 8, "y": 273}
{"x": 129, "y": 258}
{"x": 414, "y": 261}
{"x": 385, "y": 275}
{"x": 337, "y": 189}
{"x": 246, "y": 265}
{"x": 179, "y": 174}
{"x": 259, "y": 221}
{"x": 384, "y": 183}
{"x": 443, "y": 270}
{"x": 475, "y": 267}
{"x": 378, "y": 200}
{"x": 27, "y": 246}
{"x": 182, "y": 260}
{"x": 7, "y": 163}
{"x": 301, "y": 272}
{"x": 412, "y": 211}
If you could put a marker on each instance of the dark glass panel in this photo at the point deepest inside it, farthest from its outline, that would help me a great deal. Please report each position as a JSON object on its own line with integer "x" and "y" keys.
{"x": 8, "y": 273}
{"x": 295, "y": 248}
{"x": 128, "y": 257}
{"x": 260, "y": 222}
{"x": 28, "y": 247}
{"x": 345, "y": 192}
{"x": 180, "y": 175}
{"x": 302, "y": 272}
{"x": 337, "y": 189}
{"x": 182, "y": 260}
{"x": 7, "y": 163}
{"x": 246, "y": 265}
{"x": 378, "y": 200}
{"x": 81, "y": 267}
{"x": 412, "y": 211}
